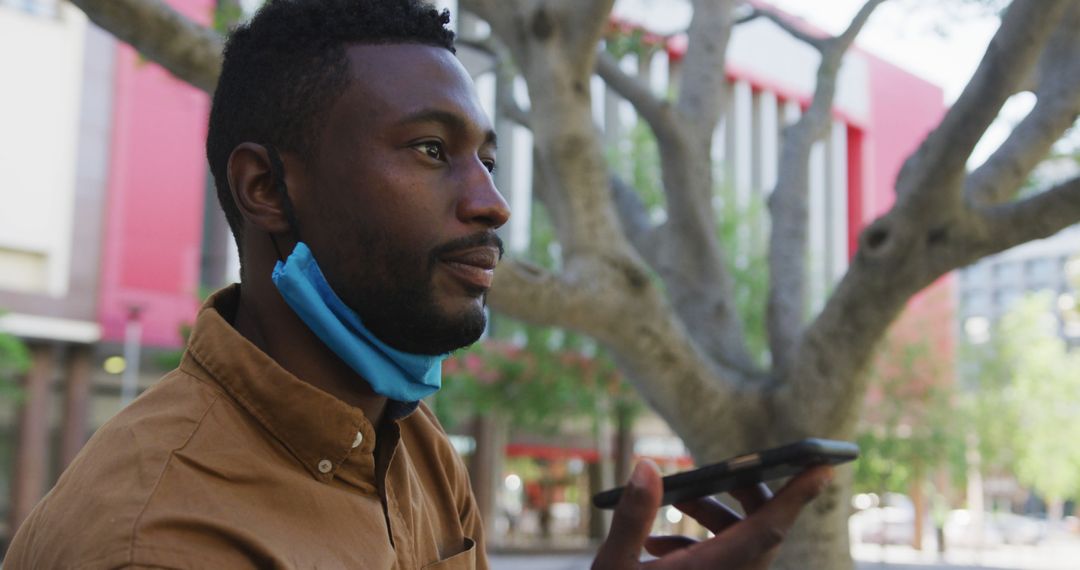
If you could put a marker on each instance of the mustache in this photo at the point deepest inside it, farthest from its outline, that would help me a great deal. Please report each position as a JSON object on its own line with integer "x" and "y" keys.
{"x": 480, "y": 239}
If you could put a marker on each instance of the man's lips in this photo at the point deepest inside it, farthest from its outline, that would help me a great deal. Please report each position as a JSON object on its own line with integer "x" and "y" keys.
{"x": 475, "y": 266}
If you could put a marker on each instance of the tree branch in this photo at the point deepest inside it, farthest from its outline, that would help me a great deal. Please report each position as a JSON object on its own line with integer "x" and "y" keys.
{"x": 1037, "y": 217}
{"x": 691, "y": 259}
{"x": 532, "y": 293}
{"x": 788, "y": 201}
{"x": 662, "y": 359}
{"x": 702, "y": 79}
{"x": 795, "y": 30}
{"x": 844, "y": 40}
{"x": 497, "y": 13}
{"x": 1058, "y": 105}
{"x": 550, "y": 197}
{"x": 590, "y": 18}
{"x": 186, "y": 49}
{"x": 927, "y": 233}
{"x": 639, "y": 229}
{"x": 570, "y": 149}
{"x": 655, "y": 111}
{"x": 1009, "y": 58}
{"x": 505, "y": 101}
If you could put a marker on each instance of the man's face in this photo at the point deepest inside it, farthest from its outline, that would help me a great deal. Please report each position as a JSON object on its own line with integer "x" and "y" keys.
{"x": 401, "y": 208}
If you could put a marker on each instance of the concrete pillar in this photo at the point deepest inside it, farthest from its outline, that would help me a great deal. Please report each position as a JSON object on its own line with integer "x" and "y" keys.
{"x": 32, "y": 448}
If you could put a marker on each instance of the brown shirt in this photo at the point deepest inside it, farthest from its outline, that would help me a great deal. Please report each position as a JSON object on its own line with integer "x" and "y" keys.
{"x": 232, "y": 462}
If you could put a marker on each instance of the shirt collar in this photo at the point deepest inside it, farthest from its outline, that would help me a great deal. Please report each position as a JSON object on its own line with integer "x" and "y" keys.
{"x": 320, "y": 430}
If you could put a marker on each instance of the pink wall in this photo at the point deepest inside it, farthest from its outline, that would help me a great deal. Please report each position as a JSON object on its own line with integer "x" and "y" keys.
{"x": 903, "y": 110}
{"x": 157, "y": 176}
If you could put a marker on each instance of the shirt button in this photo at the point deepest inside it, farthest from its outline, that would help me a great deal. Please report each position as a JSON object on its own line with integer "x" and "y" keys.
{"x": 325, "y": 466}
{"x": 359, "y": 439}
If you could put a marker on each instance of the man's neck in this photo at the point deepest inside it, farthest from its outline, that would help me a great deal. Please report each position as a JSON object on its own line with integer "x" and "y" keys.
{"x": 264, "y": 318}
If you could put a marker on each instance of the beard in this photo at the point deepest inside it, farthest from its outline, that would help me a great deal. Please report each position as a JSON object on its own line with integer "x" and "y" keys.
{"x": 409, "y": 319}
{"x": 395, "y": 299}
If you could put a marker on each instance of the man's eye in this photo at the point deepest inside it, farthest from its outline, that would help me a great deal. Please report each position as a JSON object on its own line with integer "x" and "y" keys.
{"x": 490, "y": 164}
{"x": 433, "y": 149}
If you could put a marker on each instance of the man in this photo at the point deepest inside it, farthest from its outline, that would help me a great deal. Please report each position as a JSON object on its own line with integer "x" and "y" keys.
{"x": 354, "y": 163}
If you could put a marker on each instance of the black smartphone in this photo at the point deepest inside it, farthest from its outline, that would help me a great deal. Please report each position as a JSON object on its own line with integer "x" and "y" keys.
{"x": 745, "y": 470}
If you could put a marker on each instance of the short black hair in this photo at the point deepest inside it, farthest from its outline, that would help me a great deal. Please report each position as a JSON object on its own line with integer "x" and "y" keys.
{"x": 283, "y": 70}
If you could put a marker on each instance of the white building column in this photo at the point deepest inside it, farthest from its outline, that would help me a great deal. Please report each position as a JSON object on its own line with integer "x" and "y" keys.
{"x": 837, "y": 220}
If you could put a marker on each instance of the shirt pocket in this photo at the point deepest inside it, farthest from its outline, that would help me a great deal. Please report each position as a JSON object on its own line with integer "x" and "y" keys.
{"x": 466, "y": 559}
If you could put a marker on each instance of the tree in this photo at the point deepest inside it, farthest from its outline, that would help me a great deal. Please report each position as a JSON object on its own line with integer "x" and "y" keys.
{"x": 910, "y": 430}
{"x": 14, "y": 361}
{"x": 1046, "y": 393}
{"x": 660, "y": 296}
{"x": 537, "y": 385}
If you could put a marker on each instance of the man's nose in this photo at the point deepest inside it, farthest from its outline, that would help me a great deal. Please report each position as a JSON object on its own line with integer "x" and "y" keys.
{"x": 481, "y": 202}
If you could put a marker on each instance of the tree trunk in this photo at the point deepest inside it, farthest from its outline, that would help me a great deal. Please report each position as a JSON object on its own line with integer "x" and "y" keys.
{"x": 819, "y": 539}
{"x": 975, "y": 499}
{"x": 624, "y": 444}
{"x": 598, "y": 518}
{"x": 918, "y": 499}
{"x": 1055, "y": 509}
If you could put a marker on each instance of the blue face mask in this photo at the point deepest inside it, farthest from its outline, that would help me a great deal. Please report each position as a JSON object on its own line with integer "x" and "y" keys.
{"x": 390, "y": 372}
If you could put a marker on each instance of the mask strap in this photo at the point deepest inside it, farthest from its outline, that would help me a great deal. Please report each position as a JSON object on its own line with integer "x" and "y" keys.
{"x": 277, "y": 171}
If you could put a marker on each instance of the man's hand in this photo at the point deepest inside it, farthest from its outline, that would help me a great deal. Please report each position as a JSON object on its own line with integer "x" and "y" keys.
{"x": 740, "y": 544}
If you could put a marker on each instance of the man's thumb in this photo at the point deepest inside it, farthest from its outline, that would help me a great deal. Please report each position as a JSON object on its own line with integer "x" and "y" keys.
{"x": 633, "y": 519}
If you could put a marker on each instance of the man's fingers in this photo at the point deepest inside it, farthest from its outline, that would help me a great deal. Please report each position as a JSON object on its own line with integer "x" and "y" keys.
{"x": 662, "y": 545}
{"x": 762, "y": 531}
{"x": 632, "y": 520}
{"x": 752, "y": 498}
{"x": 801, "y": 489}
{"x": 712, "y": 514}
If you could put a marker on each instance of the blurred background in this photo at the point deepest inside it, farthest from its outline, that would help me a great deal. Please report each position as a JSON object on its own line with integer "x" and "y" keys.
{"x": 110, "y": 237}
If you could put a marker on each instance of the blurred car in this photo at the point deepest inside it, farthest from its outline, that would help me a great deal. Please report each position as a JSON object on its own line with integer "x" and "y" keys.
{"x": 1018, "y": 529}
{"x": 962, "y": 529}
{"x": 997, "y": 528}
{"x": 893, "y": 522}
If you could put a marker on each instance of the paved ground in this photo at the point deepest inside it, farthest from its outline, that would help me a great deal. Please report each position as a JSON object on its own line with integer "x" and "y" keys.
{"x": 1056, "y": 554}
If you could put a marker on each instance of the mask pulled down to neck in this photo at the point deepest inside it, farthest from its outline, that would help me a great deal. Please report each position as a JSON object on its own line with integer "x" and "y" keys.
{"x": 392, "y": 373}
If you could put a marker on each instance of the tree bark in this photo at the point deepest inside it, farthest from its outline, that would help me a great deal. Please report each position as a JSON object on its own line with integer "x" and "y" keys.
{"x": 819, "y": 538}
{"x": 186, "y": 49}
{"x": 918, "y": 499}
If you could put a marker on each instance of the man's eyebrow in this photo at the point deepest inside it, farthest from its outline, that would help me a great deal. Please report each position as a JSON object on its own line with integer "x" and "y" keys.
{"x": 452, "y": 120}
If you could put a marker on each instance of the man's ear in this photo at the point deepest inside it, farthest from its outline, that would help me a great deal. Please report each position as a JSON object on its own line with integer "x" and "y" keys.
{"x": 251, "y": 182}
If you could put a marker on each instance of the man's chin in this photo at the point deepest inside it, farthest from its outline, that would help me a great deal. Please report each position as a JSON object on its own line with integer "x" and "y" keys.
{"x": 454, "y": 336}
{"x": 434, "y": 335}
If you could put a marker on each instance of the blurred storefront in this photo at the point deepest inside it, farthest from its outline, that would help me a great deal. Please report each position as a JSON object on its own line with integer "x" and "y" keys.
{"x": 544, "y": 484}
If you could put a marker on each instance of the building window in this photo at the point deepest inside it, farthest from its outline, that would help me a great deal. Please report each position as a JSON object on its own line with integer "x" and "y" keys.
{"x": 1039, "y": 270}
{"x": 975, "y": 301}
{"x": 1000, "y": 271}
